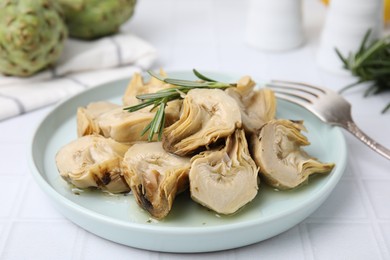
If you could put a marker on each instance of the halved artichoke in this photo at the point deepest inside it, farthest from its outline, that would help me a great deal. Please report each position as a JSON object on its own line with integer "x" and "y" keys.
{"x": 123, "y": 126}
{"x": 277, "y": 151}
{"x": 155, "y": 177}
{"x": 137, "y": 86}
{"x": 93, "y": 161}
{"x": 115, "y": 123}
{"x": 227, "y": 179}
{"x": 257, "y": 106}
{"x": 207, "y": 115}
{"x": 86, "y": 117}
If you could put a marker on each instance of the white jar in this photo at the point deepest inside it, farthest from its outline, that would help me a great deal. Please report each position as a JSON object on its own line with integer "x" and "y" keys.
{"x": 274, "y": 25}
{"x": 347, "y": 21}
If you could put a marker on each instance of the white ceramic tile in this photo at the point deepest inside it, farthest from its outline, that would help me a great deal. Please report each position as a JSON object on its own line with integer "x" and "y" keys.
{"x": 98, "y": 248}
{"x": 349, "y": 207}
{"x": 379, "y": 194}
{"x": 224, "y": 255}
{"x": 20, "y": 129}
{"x": 202, "y": 57}
{"x": 9, "y": 192}
{"x": 292, "y": 65}
{"x": 343, "y": 241}
{"x": 367, "y": 164}
{"x": 13, "y": 158}
{"x": 349, "y": 171}
{"x": 36, "y": 204}
{"x": 290, "y": 242}
{"x": 385, "y": 228}
{"x": 12, "y": 107}
{"x": 40, "y": 240}
{"x": 233, "y": 58}
{"x": 2, "y": 234}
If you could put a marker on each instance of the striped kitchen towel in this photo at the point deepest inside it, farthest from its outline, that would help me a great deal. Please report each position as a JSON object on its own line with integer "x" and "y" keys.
{"x": 83, "y": 64}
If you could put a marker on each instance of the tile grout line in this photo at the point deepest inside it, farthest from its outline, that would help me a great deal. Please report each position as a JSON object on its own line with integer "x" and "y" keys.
{"x": 12, "y": 216}
{"x": 305, "y": 238}
{"x": 371, "y": 215}
{"x": 79, "y": 243}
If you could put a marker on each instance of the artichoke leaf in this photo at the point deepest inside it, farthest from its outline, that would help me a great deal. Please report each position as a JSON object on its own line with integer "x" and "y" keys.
{"x": 111, "y": 121}
{"x": 277, "y": 150}
{"x": 93, "y": 161}
{"x": 207, "y": 115}
{"x": 227, "y": 179}
{"x": 257, "y": 106}
{"x": 138, "y": 86}
{"x": 155, "y": 177}
{"x": 87, "y": 117}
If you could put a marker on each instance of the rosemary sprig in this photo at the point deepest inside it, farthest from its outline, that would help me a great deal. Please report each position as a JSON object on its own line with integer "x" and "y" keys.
{"x": 161, "y": 98}
{"x": 371, "y": 63}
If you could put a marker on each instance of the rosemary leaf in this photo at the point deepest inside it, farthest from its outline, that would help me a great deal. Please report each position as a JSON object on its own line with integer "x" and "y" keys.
{"x": 146, "y": 128}
{"x": 201, "y": 76}
{"x": 185, "y": 83}
{"x": 154, "y": 95}
{"x": 139, "y": 106}
{"x": 370, "y": 63}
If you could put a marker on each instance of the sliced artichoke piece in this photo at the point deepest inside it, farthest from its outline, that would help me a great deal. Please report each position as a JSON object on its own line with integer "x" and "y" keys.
{"x": 93, "y": 161}
{"x": 257, "y": 106}
{"x": 123, "y": 126}
{"x": 86, "y": 117}
{"x": 155, "y": 177}
{"x": 137, "y": 86}
{"x": 207, "y": 115}
{"x": 277, "y": 151}
{"x": 224, "y": 180}
{"x": 110, "y": 120}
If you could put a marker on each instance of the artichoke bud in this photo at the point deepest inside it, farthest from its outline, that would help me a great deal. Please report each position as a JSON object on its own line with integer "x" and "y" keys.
{"x": 91, "y": 19}
{"x": 32, "y": 35}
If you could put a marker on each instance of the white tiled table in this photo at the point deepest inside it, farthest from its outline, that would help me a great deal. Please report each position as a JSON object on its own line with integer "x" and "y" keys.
{"x": 354, "y": 223}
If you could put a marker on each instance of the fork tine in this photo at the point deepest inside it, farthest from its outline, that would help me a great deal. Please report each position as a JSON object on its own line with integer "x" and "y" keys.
{"x": 300, "y": 85}
{"x": 298, "y": 100}
{"x": 298, "y": 93}
{"x": 293, "y": 99}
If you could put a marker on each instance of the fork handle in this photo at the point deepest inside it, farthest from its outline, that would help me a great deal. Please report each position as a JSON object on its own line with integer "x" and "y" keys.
{"x": 354, "y": 129}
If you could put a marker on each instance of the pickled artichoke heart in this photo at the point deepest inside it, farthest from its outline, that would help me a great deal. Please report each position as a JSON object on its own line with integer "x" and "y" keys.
{"x": 257, "y": 106}
{"x": 93, "y": 161}
{"x": 227, "y": 179}
{"x": 90, "y": 19}
{"x": 116, "y": 123}
{"x": 137, "y": 86}
{"x": 277, "y": 151}
{"x": 207, "y": 115}
{"x": 155, "y": 177}
{"x": 87, "y": 117}
{"x": 32, "y": 35}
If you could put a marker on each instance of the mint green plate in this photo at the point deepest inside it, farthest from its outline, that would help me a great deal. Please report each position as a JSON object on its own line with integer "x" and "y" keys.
{"x": 189, "y": 226}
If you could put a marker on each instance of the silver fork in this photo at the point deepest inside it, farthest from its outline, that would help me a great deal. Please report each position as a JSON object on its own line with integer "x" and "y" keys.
{"x": 327, "y": 105}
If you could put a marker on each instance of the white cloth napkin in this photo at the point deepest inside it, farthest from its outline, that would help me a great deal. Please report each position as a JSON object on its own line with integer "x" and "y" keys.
{"x": 83, "y": 64}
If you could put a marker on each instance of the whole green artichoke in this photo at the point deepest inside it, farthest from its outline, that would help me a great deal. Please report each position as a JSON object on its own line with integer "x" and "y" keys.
{"x": 91, "y": 19}
{"x": 32, "y": 35}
